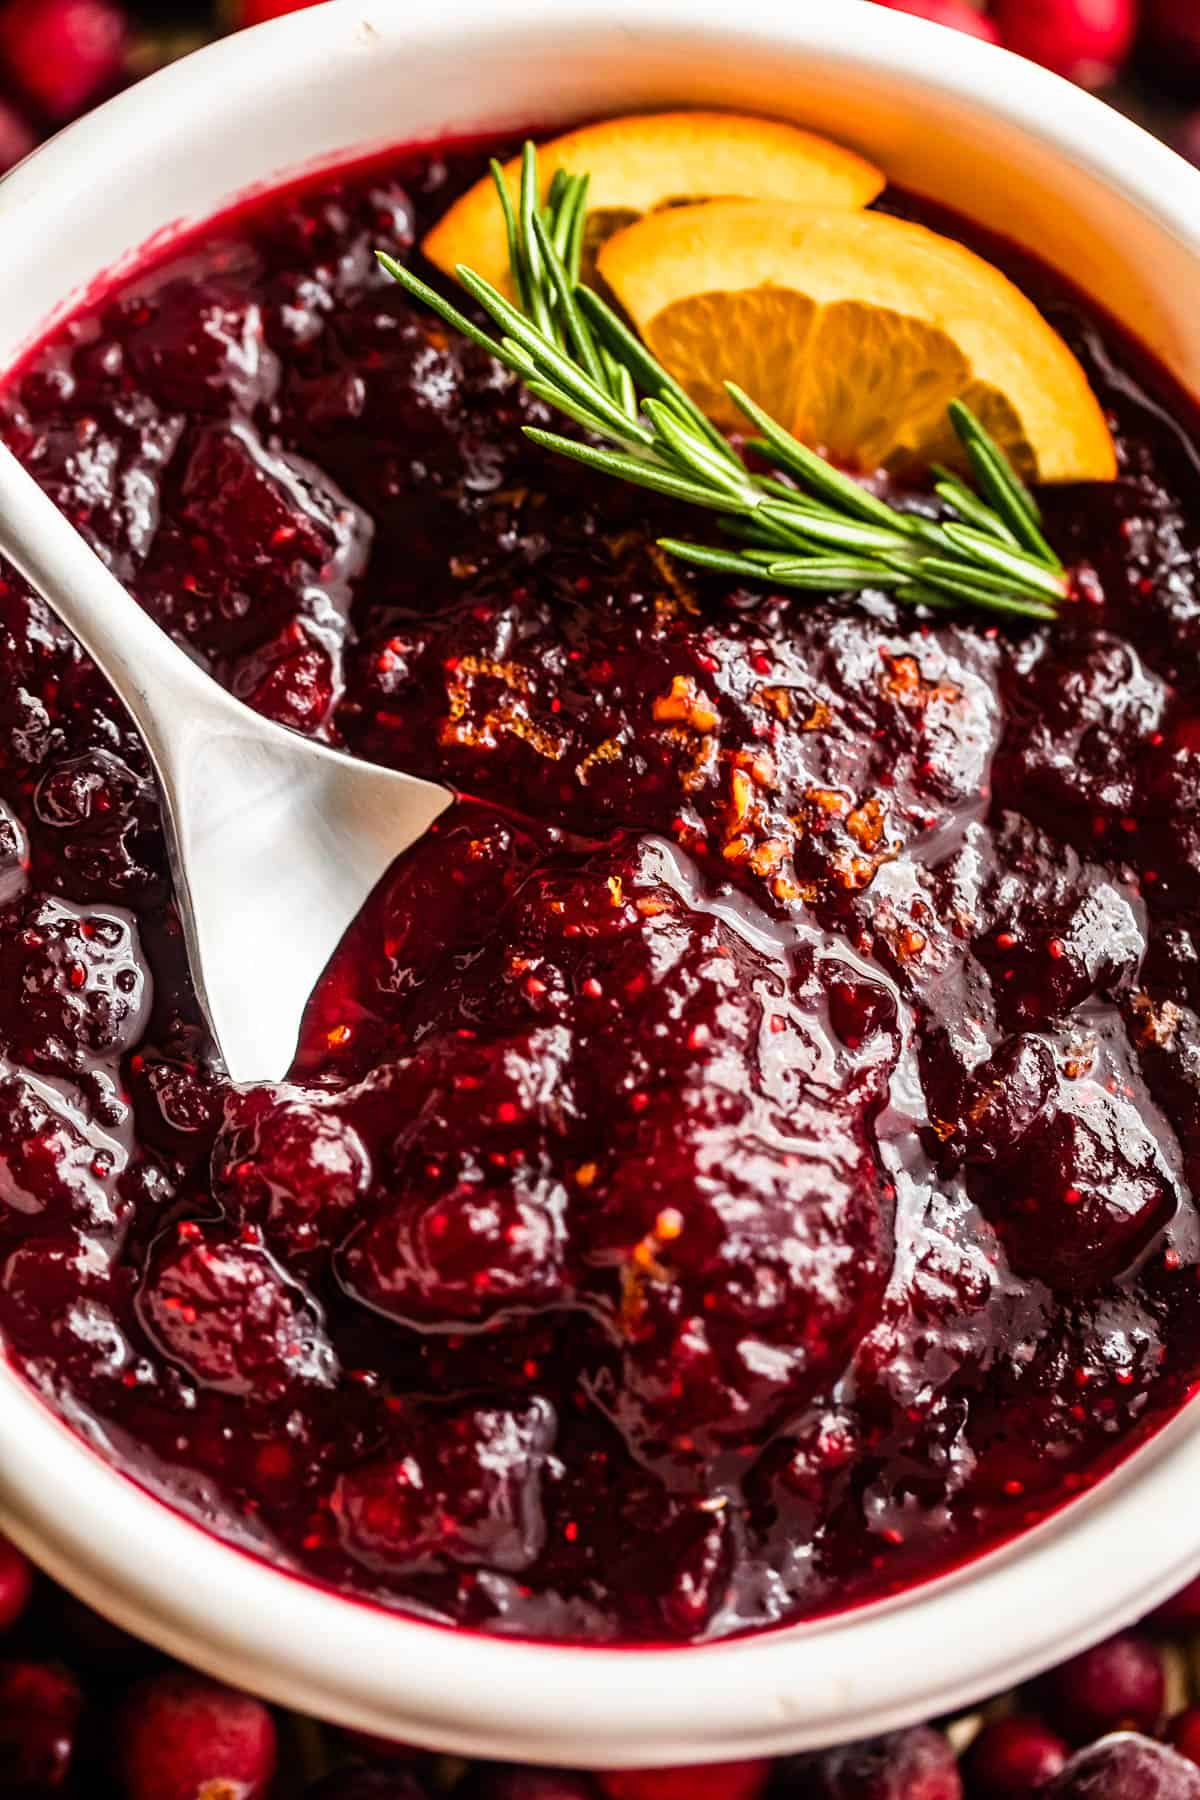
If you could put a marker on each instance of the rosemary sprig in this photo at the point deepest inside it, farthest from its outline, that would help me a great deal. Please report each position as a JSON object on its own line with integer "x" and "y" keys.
{"x": 815, "y": 529}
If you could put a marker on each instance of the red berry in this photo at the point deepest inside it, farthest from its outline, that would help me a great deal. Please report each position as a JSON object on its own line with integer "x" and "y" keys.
{"x": 1087, "y": 40}
{"x": 1182, "y": 1608}
{"x": 40, "y": 1704}
{"x": 16, "y": 1584}
{"x": 907, "y": 1765}
{"x": 1184, "y": 1733}
{"x": 1116, "y": 1686}
{"x": 1172, "y": 30}
{"x": 1012, "y": 1757}
{"x": 1126, "y": 1767}
{"x": 257, "y": 12}
{"x": 61, "y": 53}
{"x": 180, "y": 1735}
{"x": 16, "y": 138}
{"x": 719, "y": 1781}
{"x": 958, "y": 13}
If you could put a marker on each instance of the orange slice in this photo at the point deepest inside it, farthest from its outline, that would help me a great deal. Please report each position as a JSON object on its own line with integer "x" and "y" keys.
{"x": 646, "y": 161}
{"x": 856, "y": 330}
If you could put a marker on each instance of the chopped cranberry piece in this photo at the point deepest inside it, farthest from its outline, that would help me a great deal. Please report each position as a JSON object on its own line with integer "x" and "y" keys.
{"x": 465, "y": 1486}
{"x": 223, "y": 1308}
{"x": 180, "y": 1735}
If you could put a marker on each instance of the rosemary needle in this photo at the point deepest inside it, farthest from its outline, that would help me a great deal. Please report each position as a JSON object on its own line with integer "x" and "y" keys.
{"x": 818, "y": 531}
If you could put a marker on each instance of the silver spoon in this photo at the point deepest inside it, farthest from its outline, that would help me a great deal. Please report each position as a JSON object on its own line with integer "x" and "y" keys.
{"x": 275, "y": 841}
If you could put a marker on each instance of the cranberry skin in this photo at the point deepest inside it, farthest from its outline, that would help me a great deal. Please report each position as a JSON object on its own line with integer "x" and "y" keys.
{"x": 16, "y": 138}
{"x": 1172, "y": 29}
{"x": 16, "y": 1584}
{"x": 1181, "y": 1609}
{"x": 948, "y": 12}
{"x": 1087, "y": 40}
{"x": 40, "y": 1706}
{"x": 907, "y": 1765}
{"x": 1117, "y": 1685}
{"x": 1012, "y": 1757}
{"x": 61, "y": 53}
{"x": 1126, "y": 1767}
{"x": 257, "y": 12}
{"x": 367, "y": 1784}
{"x": 179, "y": 1735}
{"x": 717, "y": 1781}
{"x": 507, "y": 1783}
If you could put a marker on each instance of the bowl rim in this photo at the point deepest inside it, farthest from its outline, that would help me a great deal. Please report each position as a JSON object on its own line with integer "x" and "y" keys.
{"x": 1107, "y": 1557}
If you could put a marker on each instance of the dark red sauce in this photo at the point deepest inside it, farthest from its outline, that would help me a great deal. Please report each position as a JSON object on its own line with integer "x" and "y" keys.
{"x": 742, "y": 1161}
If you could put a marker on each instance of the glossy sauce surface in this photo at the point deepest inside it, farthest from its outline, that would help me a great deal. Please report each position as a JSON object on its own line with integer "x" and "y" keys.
{"x": 742, "y": 1161}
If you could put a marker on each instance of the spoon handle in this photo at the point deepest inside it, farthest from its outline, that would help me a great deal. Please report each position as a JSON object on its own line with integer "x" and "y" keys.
{"x": 149, "y": 671}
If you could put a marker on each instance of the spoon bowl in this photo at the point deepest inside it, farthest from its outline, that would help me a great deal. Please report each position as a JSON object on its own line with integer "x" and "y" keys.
{"x": 275, "y": 841}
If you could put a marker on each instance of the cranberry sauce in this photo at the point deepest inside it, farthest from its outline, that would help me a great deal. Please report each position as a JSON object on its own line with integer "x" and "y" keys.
{"x": 742, "y": 1160}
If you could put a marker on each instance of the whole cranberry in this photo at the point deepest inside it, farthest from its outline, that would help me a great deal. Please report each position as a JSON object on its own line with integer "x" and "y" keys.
{"x": 1012, "y": 1757}
{"x": 958, "y": 13}
{"x": 40, "y": 1704}
{"x": 180, "y": 1735}
{"x": 1172, "y": 31}
{"x": 718, "y": 1781}
{"x": 367, "y": 1784}
{"x": 1126, "y": 1767}
{"x": 504, "y": 1782}
{"x": 16, "y": 1584}
{"x": 16, "y": 138}
{"x": 62, "y": 53}
{"x": 1117, "y": 1685}
{"x": 1087, "y": 40}
{"x": 1182, "y": 1609}
{"x": 257, "y": 12}
{"x": 906, "y": 1765}
{"x": 1183, "y": 1732}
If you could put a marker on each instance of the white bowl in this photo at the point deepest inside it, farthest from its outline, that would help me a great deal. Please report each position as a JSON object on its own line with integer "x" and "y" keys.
{"x": 1016, "y": 149}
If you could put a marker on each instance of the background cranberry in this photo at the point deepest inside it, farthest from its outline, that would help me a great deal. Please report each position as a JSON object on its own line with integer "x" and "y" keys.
{"x": 717, "y": 1781}
{"x": 906, "y": 1765}
{"x": 1172, "y": 30}
{"x": 62, "y": 53}
{"x": 16, "y": 1584}
{"x": 16, "y": 137}
{"x": 1087, "y": 40}
{"x": 367, "y": 1784}
{"x": 1117, "y": 1685}
{"x": 1182, "y": 1609}
{"x": 1126, "y": 1767}
{"x": 504, "y": 1783}
{"x": 40, "y": 1705}
{"x": 958, "y": 13}
{"x": 256, "y": 12}
{"x": 180, "y": 1735}
{"x": 1011, "y": 1757}
{"x": 1183, "y": 1732}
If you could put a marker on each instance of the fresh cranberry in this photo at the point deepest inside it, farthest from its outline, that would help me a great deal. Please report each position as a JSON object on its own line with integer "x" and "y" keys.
{"x": 16, "y": 1584}
{"x": 503, "y": 1782}
{"x": 1126, "y": 1767}
{"x": 1117, "y": 1685}
{"x": 907, "y": 1765}
{"x": 1182, "y": 1609}
{"x": 715, "y": 1781}
{"x": 180, "y": 1735}
{"x": 16, "y": 137}
{"x": 62, "y": 53}
{"x": 1183, "y": 1733}
{"x": 1011, "y": 1757}
{"x": 367, "y": 1784}
{"x": 961, "y": 14}
{"x": 1087, "y": 40}
{"x": 40, "y": 1707}
{"x": 257, "y": 12}
{"x": 1172, "y": 29}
